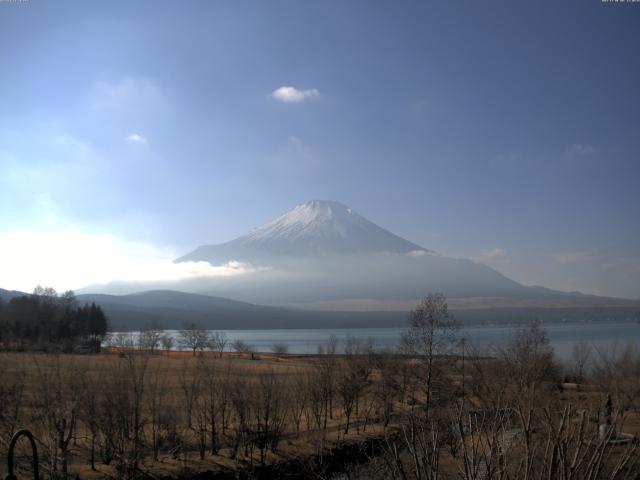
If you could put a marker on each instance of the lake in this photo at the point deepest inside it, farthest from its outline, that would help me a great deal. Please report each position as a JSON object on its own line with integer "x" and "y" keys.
{"x": 563, "y": 336}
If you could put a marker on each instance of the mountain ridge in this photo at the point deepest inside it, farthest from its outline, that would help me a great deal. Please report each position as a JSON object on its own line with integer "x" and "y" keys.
{"x": 324, "y": 253}
{"x": 7, "y": 295}
{"x": 171, "y": 309}
{"x": 312, "y": 228}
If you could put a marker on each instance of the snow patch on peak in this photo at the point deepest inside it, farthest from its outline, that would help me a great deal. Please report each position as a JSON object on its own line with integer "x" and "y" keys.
{"x": 422, "y": 253}
{"x": 315, "y": 218}
{"x": 310, "y": 229}
{"x": 323, "y": 226}
{"x": 317, "y": 210}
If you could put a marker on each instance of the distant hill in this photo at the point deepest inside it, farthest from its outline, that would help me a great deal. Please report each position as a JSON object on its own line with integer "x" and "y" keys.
{"x": 6, "y": 295}
{"x": 172, "y": 309}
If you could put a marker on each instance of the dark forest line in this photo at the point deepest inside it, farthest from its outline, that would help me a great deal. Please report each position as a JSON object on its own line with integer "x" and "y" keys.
{"x": 47, "y": 321}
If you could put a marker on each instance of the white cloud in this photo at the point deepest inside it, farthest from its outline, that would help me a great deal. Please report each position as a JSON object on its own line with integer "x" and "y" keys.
{"x": 55, "y": 176}
{"x": 45, "y": 203}
{"x": 70, "y": 259}
{"x": 573, "y": 257}
{"x": 288, "y": 94}
{"x": 296, "y": 157}
{"x": 492, "y": 253}
{"x": 581, "y": 150}
{"x": 496, "y": 257}
{"x": 127, "y": 93}
{"x": 597, "y": 273}
{"x": 136, "y": 138}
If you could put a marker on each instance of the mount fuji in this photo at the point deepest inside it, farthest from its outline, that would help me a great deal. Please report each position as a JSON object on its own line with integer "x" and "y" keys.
{"x": 331, "y": 267}
{"x": 322, "y": 254}
{"x": 313, "y": 229}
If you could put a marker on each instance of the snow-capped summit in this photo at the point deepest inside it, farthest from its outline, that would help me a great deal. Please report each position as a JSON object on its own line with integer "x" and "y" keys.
{"x": 313, "y": 228}
{"x": 312, "y": 218}
{"x": 322, "y": 254}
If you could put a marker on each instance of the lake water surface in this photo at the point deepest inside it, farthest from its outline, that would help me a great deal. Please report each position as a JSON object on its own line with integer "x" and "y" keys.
{"x": 563, "y": 336}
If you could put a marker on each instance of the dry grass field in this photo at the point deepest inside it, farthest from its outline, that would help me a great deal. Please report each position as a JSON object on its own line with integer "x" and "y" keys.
{"x": 131, "y": 414}
{"x": 162, "y": 409}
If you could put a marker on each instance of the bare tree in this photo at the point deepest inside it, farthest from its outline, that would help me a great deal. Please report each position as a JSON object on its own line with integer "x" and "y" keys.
{"x": 565, "y": 442}
{"x": 388, "y": 387}
{"x": 242, "y": 405}
{"x": 528, "y": 359}
{"x": 113, "y": 406}
{"x": 269, "y": 412}
{"x": 219, "y": 342}
{"x": 617, "y": 371}
{"x": 190, "y": 383}
{"x": 150, "y": 337}
{"x": 431, "y": 332}
{"x": 329, "y": 347}
{"x": 167, "y": 342}
{"x": 318, "y": 401}
{"x": 353, "y": 377}
{"x": 136, "y": 370}
{"x": 528, "y": 365}
{"x": 12, "y": 386}
{"x": 580, "y": 356}
{"x": 326, "y": 366}
{"x": 122, "y": 341}
{"x": 194, "y": 338}
{"x": 299, "y": 394}
{"x": 414, "y": 450}
{"x": 280, "y": 348}
{"x": 211, "y": 402}
{"x": 225, "y": 396}
{"x": 58, "y": 404}
{"x": 89, "y": 415}
{"x": 242, "y": 347}
{"x": 201, "y": 414}
{"x": 156, "y": 404}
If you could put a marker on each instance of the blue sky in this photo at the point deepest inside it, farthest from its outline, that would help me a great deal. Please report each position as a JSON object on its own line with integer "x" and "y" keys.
{"x": 506, "y": 132}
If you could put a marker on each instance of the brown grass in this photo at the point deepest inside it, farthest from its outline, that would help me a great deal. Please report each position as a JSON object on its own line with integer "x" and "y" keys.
{"x": 177, "y": 369}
